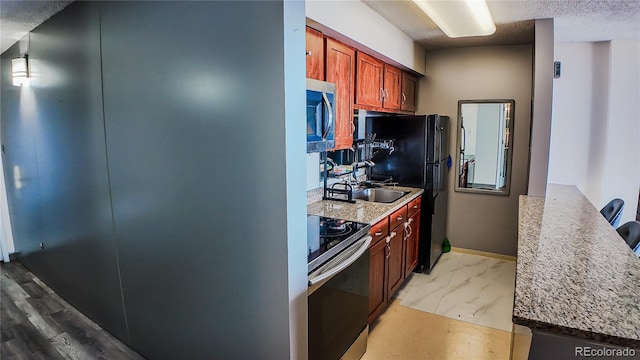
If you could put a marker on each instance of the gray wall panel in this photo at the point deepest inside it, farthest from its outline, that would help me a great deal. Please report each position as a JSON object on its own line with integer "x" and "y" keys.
{"x": 60, "y": 118}
{"x": 480, "y": 221}
{"x": 20, "y": 159}
{"x": 194, "y": 111}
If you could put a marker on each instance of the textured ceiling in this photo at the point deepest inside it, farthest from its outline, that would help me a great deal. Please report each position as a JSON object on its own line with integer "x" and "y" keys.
{"x": 575, "y": 20}
{"x": 17, "y": 18}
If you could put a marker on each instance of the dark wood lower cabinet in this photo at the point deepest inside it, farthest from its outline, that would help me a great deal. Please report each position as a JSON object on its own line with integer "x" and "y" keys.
{"x": 411, "y": 244}
{"x": 393, "y": 255}
{"x": 377, "y": 282}
{"x": 396, "y": 257}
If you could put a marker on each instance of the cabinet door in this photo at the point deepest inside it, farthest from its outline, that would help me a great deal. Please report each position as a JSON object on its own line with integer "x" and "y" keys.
{"x": 377, "y": 279}
{"x": 412, "y": 237}
{"x": 340, "y": 71}
{"x": 395, "y": 256}
{"x": 408, "y": 96}
{"x": 315, "y": 54}
{"x": 392, "y": 80}
{"x": 369, "y": 84}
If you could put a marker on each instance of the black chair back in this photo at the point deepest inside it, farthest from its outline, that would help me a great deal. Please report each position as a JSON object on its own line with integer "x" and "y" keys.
{"x": 612, "y": 211}
{"x": 630, "y": 232}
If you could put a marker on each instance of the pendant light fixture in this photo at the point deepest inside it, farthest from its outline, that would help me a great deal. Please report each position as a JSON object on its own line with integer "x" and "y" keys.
{"x": 460, "y": 18}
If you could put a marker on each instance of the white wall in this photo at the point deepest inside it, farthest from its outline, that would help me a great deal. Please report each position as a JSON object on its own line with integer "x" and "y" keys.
{"x": 358, "y": 22}
{"x": 313, "y": 172}
{"x": 542, "y": 103}
{"x": 580, "y": 102}
{"x": 596, "y": 123}
{"x": 295, "y": 189}
{"x": 622, "y": 152}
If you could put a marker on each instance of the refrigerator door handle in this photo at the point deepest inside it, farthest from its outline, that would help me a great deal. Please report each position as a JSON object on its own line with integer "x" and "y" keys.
{"x": 439, "y": 129}
{"x": 436, "y": 187}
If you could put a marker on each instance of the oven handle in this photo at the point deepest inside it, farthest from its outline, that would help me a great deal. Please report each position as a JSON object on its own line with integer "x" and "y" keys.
{"x": 322, "y": 275}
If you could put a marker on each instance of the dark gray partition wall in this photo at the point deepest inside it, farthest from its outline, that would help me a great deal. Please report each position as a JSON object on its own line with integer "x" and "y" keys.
{"x": 149, "y": 156}
{"x": 20, "y": 161}
{"x": 54, "y": 134}
{"x": 195, "y": 122}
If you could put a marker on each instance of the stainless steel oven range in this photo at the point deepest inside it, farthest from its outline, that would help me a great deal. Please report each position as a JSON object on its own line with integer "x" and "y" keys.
{"x": 338, "y": 257}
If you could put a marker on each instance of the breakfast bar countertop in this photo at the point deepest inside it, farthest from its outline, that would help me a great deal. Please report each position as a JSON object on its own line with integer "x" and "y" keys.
{"x": 575, "y": 275}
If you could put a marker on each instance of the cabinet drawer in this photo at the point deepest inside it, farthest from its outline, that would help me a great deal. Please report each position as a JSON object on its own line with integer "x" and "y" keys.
{"x": 415, "y": 205}
{"x": 379, "y": 230}
{"x": 398, "y": 217}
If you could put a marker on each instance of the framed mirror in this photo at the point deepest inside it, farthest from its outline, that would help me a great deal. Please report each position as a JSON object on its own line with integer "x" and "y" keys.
{"x": 485, "y": 146}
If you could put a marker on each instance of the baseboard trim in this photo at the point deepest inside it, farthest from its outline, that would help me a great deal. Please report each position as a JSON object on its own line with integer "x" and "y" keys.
{"x": 483, "y": 253}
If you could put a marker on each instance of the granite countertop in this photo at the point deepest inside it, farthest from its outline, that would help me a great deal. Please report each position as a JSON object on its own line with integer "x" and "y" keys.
{"x": 575, "y": 275}
{"x": 361, "y": 211}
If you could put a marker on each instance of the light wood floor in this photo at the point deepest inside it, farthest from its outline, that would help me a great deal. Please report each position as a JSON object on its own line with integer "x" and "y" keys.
{"x": 35, "y": 323}
{"x": 404, "y": 333}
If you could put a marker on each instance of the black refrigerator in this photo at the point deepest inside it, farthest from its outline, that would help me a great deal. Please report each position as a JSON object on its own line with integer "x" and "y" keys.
{"x": 420, "y": 159}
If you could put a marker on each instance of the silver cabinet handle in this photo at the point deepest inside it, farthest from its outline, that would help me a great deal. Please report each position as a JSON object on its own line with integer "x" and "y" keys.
{"x": 381, "y": 94}
{"x": 388, "y": 239}
{"x": 309, "y": 53}
{"x": 353, "y": 127}
{"x": 399, "y": 218}
{"x": 408, "y": 230}
{"x": 386, "y": 94}
{"x": 378, "y": 233}
{"x": 404, "y": 99}
{"x": 415, "y": 206}
{"x": 393, "y": 233}
{"x": 342, "y": 264}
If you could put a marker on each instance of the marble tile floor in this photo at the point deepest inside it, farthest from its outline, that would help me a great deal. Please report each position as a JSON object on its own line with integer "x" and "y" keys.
{"x": 472, "y": 288}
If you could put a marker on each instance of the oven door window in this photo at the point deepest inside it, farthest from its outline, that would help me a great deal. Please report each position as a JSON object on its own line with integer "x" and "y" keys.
{"x": 338, "y": 311}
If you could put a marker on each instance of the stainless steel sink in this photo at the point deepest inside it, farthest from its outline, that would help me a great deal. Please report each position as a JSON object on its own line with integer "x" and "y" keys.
{"x": 379, "y": 195}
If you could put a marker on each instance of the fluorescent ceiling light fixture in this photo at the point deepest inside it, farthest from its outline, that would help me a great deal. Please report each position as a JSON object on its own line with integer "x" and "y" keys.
{"x": 20, "y": 70}
{"x": 460, "y": 18}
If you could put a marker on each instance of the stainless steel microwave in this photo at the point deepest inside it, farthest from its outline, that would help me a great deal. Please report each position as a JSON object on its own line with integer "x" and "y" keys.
{"x": 320, "y": 115}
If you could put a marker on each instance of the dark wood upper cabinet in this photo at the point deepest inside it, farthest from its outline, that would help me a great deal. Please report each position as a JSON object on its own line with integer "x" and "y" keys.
{"x": 382, "y": 87}
{"x": 392, "y": 80}
{"x": 408, "y": 95}
{"x": 340, "y": 70}
{"x": 315, "y": 54}
{"x": 369, "y": 77}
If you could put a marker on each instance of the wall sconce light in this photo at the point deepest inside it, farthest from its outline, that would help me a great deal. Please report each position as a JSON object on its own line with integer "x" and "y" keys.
{"x": 460, "y": 18}
{"x": 20, "y": 70}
